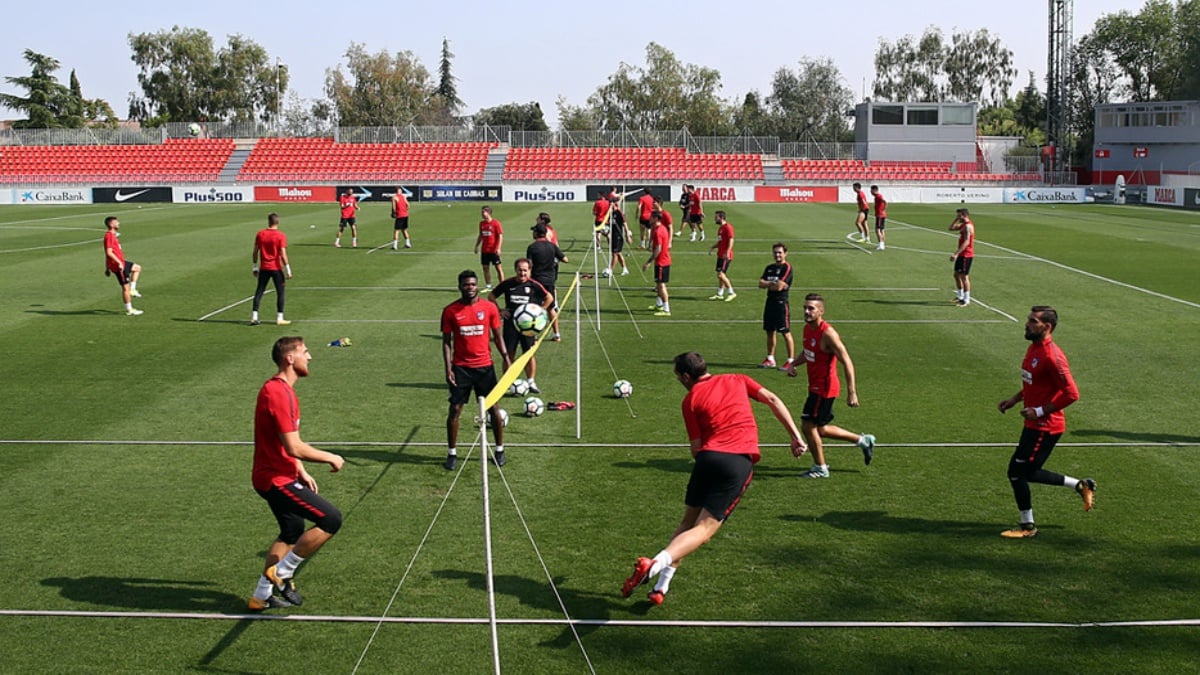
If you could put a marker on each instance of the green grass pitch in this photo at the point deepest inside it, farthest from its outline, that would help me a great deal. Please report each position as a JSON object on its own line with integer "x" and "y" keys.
{"x": 125, "y": 455}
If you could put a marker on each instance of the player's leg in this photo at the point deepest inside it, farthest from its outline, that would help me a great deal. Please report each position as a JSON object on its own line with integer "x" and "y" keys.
{"x": 791, "y": 349}
{"x": 772, "y": 339}
{"x": 280, "y": 295}
{"x": 816, "y": 414}
{"x": 135, "y": 272}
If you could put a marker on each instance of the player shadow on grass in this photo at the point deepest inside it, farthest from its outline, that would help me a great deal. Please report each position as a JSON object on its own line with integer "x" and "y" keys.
{"x": 537, "y": 594}
{"x": 1146, "y": 437}
{"x": 678, "y": 465}
{"x": 916, "y": 303}
{"x": 146, "y": 594}
{"x": 440, "y": 386}
{"x": 78, "y": 312}
{"x": 881, "y": 521}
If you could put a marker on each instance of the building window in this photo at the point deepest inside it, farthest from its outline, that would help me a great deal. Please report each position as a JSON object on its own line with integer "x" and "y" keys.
{"x": 923, "y": 116}
{"x": 957, "y": 115}
{"x": 887, "y": 115}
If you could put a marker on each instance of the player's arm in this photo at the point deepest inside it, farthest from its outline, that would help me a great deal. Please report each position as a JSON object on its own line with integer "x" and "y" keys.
{"x": 1011, "y": 401}
{"x": 478, "y": 242}
{"x": 111, "y": 253}
{"x": 307, "y": 453}
{"x": 962, "y": 246}
{"x": 287, "y": 266}
{"x": 498, "y": 339}
{"x": 654, "y": 251}
{"x": 447, "y": 353}
{"x": 832, "y": 343}
{"x": 1066, "y": 393}
{"x": 781, "y": 412}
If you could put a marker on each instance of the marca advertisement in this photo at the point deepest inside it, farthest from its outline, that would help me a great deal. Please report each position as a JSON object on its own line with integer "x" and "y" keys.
{"x": 212, "y": 194}
{"x": 1045, "y": 195}
{"x": 378, "y": 193}
{"x": 56, "y": 196}
{"x": 1165, "y": 195}
{"x": 121, "y": 195}
{"x": 460, "y": 193}
{"x": 795, "y": 193}
{"x": 717, "y": 192}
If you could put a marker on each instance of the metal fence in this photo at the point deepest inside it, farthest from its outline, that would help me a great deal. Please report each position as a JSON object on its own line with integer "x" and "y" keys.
{"x": 414, "y": 134}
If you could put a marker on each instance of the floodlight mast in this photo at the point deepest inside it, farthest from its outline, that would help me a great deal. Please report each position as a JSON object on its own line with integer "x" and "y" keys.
{"x": 1058, "y": 84}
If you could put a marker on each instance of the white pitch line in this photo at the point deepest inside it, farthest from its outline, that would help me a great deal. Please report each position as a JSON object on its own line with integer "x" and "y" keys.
{"x": 1008, "y": 316}
{"x": 45, "y": 248}
{"x": 229, "y": 307}
{"x": 621, "y": 623}
{"x": 687, "y": 321}
{"x": 442, "y": 444}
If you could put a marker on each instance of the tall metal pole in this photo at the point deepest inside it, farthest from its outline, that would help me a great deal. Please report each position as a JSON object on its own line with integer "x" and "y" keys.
{"x": 1058, "y": 82}
{"x": 278, "y": 96}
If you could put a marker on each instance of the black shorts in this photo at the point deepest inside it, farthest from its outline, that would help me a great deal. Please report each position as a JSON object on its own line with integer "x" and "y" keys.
{"x": 1033, "y": 450}
{"x": 486, "y": 259}
{"x": 401, "y": 223}
{"x": 293, "y": 503}
{"x": 880, "y": 223}
{"x": 347, "y": 221}
{"x": 719, "y": 479}
{"x": 696, "y": 218}
{"x": 962, "y": 265}
{"x": 125, "y": 274}
{"x": 777, "y": 316}
{"x": 723, "y": 265}
{"x": 512, "y": 337}
{"x": 662, "y": 274}
{"x": 817, "y": 409}
{"x": 864, "y": 213}
{"x": 644, "y": 222}
{"x": 481, "y": 380}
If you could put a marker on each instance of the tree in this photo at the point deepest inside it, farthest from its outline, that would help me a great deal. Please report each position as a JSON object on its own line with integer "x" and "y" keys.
{"x": 48, "y": 103}
{"x": 302, "y": 118}
{"x": 526, "y": 117}
{"x": 446, "y": 90}
{"x": 811, "y": 100}
{"x": 752, "y": 117}
{"x": 665, "y": 94}
{"x": 973, "y": 67}
{"x": 380, "y": 89}
{"x": 1094, "y": 79}
{"x": 574, "y": 117}
{"x": 182, "y": 78}
{"x": 1155, "y": 50}
{"x": 978, "y": 68}
{"x": 910, "y": 70}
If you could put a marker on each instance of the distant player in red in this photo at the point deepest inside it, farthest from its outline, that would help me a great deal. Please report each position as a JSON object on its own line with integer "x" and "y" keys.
{"x": 468, "y": 325}
{"x": 880, "y": 216}
{"x": 600, "y": 215}
{"x": 400, "y": 216}
{"x": 270, "y": 261}
{"x": 645, "y": 208}
{"x": 348, "y": 204}
{"x": 695, "y": 213}
{"x": 860, "y": 218}
{"x": 822, "y": 349}
{"x": 963, "y": 256}
{"x": 1046, "y": 388}
{"x": 543, "y": 218}
{"x": 279, "y": 477}
{"x": 723, "y": 435}
{"x": 724, "y": 249}
{"x": 660, "y": 256}
{"x": 127, "y": 272}
{"x": 487, "y": 245}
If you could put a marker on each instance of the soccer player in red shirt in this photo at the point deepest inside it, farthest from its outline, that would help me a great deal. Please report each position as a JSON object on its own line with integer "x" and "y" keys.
{"x": 645, "y": 208}
{"x": 467, "y": 325}
{"x": 822, "y": 349}
{"x": 660, "y": 255}
{"x": 348, "y": 204}
{"x": 963, "y": 256}
{"x": 270, "y": 262}
{"x": 400, "y": 214}
{"x": 127, "y": 272}
{"x": 695, "y": 214}
{"x": 279, "y": 477}
{"x": 860, "y": 218}
{"x": 724, "y": 249}
{"x": 723, "y": 435}
{"x": 487, "y": 245}
{"x": 1046, "y": 388}
{"x": 880, "y": 216}
{"x": 600, "y": 213}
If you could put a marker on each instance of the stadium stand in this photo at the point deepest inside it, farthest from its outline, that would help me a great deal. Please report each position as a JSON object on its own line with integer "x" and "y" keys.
{"x": 661, "y": 164}
{"x": 182, "y": 160}
{"x": 324, "y": 160}
{"x": 851, "y": 170}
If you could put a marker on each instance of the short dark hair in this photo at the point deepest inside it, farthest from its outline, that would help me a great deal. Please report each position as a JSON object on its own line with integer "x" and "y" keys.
{"x": 272, "y": 219}
{"x": 109, "y": 221}
{"x": 1046, "y": 314}
{"x": 962, "y": 212}
{"x": 815, "y": 297}
{"x": 719, "y": 214}
{"x": 779, "y": 244}
{"x": 283, "y": 347}
{"x": 466, "y": 274}
{"x": 691, "y": 364}
{"x": 857, "y": 186}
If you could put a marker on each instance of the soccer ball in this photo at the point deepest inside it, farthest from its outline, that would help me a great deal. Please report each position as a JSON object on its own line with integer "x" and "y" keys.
{"x": 622, "y": 389}
{"x": 605, "y": 273}
{"x": 534, "y": 406}
{"x": 503, "y": 418}
{"x": 519, "y": 388}
{"x": 530, "y": 319}
{"x": 194, "y": 129}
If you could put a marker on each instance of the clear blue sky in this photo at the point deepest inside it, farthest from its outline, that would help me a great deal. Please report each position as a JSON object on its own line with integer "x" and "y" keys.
{"x": 532, "y": 51}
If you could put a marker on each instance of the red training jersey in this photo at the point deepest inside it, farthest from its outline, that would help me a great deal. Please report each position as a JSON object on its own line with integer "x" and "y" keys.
{"x": 349, "y": 204}
{"x": 661, "y": 237}
{"x": 600, "y": 210}
{"x": 270, "y": 243}
{"x": 861, "y": 198}
{"x": 277, "y": 412}
{"x": 667, "y": 219}
{"x": 725, "y": 241}
{"x": 1046, "y": 380}
{"x": 717, "y": 411}
{"x": 111, "y": 241}
{"x": 490, "y": 231}
{"x": 880, "y": 205}
{"x": 967, "y": 234}
{"x": 694, "y": 207}
{"x": 471, "y": 325}
{"x": 551, "y": 235}
{"x": 821, "y": 365}
{"x": 399, "y": 205}
{"x": 645, "y": 206}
